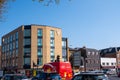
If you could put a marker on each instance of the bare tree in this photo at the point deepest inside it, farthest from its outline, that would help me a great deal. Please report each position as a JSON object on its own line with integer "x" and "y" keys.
{"x": 2, "y": 8}
{"x": 3, "y": 4}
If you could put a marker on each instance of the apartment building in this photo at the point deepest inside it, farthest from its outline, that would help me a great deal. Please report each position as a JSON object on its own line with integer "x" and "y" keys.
{"x": 109, "y": 52}
{"x": 31, "y": 45}
{"x": 112, "y": 52}
{"x": 91, "y": 58}
{"x": 108, "y": 63}
{"x": 85, "y": 59}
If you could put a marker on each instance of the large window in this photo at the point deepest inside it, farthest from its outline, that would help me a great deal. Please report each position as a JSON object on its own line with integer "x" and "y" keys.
{"x": 10, "y": 38}
{"x": 39, "y": 51}
{"x": 16, "y": 35}
{"x": 27, "y": 60}
{"x": 3, "y": 49}
{"x": 11, "y": 47}
{"x": 27, "y": 41}
{"x": 39, "y": 32}
{"x": 64, "y": 52}
{"x": 27, "y": 33}
{"x": 52, "y": 59}
{"x": 39, "y": 41}
{"x": 51, "y": 33}
{"x": 52, "y": 42}
{"x": 16, "y": 52}
{"x": 17, "y": 44}
{"x": 40, "y": 61}
{"x": 27, "y": 50}
{"x": 13, "y": 36}
{"x": 63, "y": 43}
{"x": 52, "y": 51}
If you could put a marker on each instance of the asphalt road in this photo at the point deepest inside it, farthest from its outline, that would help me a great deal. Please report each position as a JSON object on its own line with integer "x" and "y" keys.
{"x": 113, "y": 77}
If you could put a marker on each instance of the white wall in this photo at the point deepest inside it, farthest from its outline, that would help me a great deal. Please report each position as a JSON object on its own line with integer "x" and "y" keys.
{"x": 108, "y": 61}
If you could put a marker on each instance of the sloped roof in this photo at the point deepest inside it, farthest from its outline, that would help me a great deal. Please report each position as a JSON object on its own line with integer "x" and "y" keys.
{"x": 109, "y": 50}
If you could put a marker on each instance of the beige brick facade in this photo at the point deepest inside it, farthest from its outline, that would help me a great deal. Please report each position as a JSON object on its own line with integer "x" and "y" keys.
{"x": 18, "y": 60}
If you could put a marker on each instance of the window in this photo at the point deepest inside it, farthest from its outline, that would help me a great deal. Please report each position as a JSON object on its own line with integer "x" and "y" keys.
{"x": 93, "y": 53}
{"x": 110, "y": 49}
{"x": 13, "y": 45}
{"x": 96, "y": 53}
{"x": 16, "y": 35}
{"x": 51, "y": 33}
{"x": 16, "y": 52}
{"x": 88, "y": 53}
{"x": 27, "y": 61}
{"x": 27, "y": 41}
{"x": 13, "y": 36}
{"x": 39, "y": 32}
{"x": 107, "y": 63}
{"x": 52, "y": 42}
{"x": 10, "y": 38}
{"x": 64, "y": 52}
{"x": 103, "y": 63}
{"x": 17, "y": 44}
{"x": 5, "y": 40}
{"x": 112, "y": 64}
{"x": 39, "y": 41}
{"x": 27, "y": 50}
{"x": 64, "y": 59}
{"x": 8, "y": 47}
{"x": 13, "y": 53}
{"x": 39, "y": 51}
{"x": 52, "y": 59}
{"x": 3, "y": 49}
{"x": 63, "y": 43}
{"x": 27, "y": 33}
{"x": 40, "y": 60}
{"x": 52, "y": 52}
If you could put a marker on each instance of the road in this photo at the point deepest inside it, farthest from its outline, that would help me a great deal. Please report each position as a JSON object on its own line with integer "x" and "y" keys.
{"x": 113, "y": 77}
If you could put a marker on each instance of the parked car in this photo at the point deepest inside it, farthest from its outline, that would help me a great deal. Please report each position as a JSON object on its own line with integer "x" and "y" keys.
{"x": 109, "y": 71}
{"x": 90, "y": 76}
{"x": 118, "y": 72}
{"x": 14, "y": 77}
{"x": 47, "y": 76}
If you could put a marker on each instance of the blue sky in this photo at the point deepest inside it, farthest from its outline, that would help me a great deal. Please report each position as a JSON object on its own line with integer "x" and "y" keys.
{"x": 90, "y": 23}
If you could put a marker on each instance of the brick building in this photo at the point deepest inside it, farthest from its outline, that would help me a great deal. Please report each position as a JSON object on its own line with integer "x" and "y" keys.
{"x": 31, "y": 45}
{"x": 88, "y": 59}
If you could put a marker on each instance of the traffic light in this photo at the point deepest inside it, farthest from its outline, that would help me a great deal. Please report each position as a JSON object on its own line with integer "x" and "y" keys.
{"x": 58, "y": 58}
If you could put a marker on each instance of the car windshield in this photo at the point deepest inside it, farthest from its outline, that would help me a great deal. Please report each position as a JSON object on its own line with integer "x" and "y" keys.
{"x": 55, "y": 76}
{"x": 14, "y": 77}
{"x": 90, "y": 77}
{"x": 20, "y": 77}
